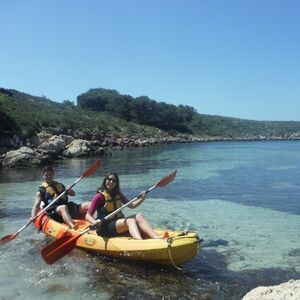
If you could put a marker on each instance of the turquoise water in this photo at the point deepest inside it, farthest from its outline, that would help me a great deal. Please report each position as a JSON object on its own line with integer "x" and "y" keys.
{"x": 241, "y": 197}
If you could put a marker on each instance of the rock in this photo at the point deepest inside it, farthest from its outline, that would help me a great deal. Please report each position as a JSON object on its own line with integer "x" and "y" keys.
{"x": 18, "y": 158}
{"x": 41, "y": 159}
{"x": 100, "y": 151}
{"x": 67, "y": 138}
{"x": 38, "y": 139}
{"x": 78, "y": 148}
{"x": 54, "y": 145}
{"x": 25, "y": 157}
{"x": 286, "y": 291}
{"x": 10, "y": 141}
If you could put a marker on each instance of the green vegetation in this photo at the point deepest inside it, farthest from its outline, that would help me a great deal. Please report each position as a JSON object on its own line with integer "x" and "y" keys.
{"x": 26, "y": 115}
{"x": 141, "y": 110}
{"x": 103, "y": 110}
{"x": 239, "y": 128}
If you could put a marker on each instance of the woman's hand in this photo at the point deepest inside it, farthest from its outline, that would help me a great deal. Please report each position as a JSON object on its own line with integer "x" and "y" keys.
{"x": 142, "y": 195}
{"x": 97, "y": 223}
{"x": 139, "y": 200}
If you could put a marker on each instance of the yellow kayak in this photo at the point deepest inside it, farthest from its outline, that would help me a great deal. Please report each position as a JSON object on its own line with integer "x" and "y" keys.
{"x": 173, "y": 248}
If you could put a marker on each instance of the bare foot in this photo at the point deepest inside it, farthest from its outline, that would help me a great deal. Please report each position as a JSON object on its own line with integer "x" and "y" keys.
{"x": 74, "y": 226}
{"x": 166, "y": 234}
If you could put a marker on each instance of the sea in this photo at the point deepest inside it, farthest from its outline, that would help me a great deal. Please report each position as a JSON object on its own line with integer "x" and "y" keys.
{"x": 242, "y": 198}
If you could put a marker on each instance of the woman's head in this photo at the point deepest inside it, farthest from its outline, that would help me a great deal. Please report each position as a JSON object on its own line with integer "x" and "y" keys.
{"x": 111, "y": 183}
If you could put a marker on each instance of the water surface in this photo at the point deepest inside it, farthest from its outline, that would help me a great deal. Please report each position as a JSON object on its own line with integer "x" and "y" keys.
{"x": 241, "y": 197}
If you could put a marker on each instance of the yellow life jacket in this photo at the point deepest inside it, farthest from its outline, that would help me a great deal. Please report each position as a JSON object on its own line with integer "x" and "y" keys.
{"x": 51, "y": 192}
{"x": 110, "y": 205}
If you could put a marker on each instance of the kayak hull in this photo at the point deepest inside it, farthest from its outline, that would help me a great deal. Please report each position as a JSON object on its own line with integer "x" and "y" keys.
{"x": 176, "y": 248}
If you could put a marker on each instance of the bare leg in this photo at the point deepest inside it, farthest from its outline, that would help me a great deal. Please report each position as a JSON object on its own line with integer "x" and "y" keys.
{"x": 129, "y": 224}
{"x": 63, "y": 211}
{"x": 145, "y": 226}
{"x": 84, "y": 207}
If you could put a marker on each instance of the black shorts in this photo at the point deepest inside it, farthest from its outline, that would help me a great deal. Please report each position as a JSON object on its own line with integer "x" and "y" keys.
{"x": 74, "y": 211}
{"x": 108, "y": 229}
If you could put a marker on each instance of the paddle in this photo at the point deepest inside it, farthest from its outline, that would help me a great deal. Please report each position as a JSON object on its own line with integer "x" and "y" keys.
{"x": 64, "y": 245}
{"x": 87, "y": 173}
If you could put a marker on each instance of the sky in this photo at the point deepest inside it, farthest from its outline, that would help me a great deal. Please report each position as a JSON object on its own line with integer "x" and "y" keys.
{"x": 233, "y": 58}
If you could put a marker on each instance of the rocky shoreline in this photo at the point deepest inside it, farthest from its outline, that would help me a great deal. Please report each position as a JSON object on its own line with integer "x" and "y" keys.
{"x": 286, "y": 291}
{"x": 46, "y": 147}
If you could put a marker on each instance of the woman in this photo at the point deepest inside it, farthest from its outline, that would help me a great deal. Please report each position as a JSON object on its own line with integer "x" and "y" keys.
{"x": 108, "y": 199}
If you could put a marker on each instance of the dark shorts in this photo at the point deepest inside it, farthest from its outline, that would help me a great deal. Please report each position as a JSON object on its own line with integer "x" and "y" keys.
{"x": 74, "y": 211}
{"x": 108, "y": 229}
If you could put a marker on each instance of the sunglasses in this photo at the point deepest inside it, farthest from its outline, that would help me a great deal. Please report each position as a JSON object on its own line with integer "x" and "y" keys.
{"x": 111, "y": 179}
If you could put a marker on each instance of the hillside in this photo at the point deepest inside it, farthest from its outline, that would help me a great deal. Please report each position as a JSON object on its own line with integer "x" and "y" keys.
{"x": 27, "y": 115}
{"x": 103, "y": 110}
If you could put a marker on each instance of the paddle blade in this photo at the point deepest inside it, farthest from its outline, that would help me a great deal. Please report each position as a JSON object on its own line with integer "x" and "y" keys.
{"x": 7, "y": 238}
{"x": 92, "y": 169}
{"x": 166, "y": 180}
{"x": 59, "y": 248}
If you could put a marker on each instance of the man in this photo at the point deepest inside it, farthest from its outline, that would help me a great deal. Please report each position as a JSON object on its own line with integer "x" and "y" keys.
{"x": 62, "y": 210}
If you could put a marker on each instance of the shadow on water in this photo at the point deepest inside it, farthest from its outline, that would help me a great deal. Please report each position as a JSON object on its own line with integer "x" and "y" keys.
{"x": 20, "y": 175}
{"x": 233, "y": 186}
{"x": 14, "y": 213}
{"x": 205, "y": 277}
{"x": 95, "y": 276}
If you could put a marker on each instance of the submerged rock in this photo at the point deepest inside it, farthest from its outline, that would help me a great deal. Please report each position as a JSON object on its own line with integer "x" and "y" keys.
{"x": 286, "y": 291}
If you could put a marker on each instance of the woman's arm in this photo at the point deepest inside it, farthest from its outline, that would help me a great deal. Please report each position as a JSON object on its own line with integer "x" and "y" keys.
{"x": 96, "y": 201}
{"x": 138, "y": 201}
{"x": 91, "y": 219}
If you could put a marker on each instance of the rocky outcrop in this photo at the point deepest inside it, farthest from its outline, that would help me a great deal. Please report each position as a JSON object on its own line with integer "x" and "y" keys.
{"x": 286, "y": 291}
{"x": 78, "y": 148}
{"x": 55, "y": 145}
{"x": 25, "y": 157}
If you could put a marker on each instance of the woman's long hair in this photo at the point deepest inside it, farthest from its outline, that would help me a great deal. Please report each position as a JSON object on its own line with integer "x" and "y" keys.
{"x": 116, "y": 190}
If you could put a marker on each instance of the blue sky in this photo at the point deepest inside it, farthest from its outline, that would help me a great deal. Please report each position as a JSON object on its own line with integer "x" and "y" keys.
{"x": 236, "y": 58}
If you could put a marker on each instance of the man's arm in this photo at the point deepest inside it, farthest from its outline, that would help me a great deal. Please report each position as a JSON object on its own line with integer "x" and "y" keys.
{"x": 36, "y": 204}
{"x": 70, "y": 192}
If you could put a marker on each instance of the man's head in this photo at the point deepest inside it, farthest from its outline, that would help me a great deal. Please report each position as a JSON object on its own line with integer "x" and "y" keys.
{"x": 48, "y": 173}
